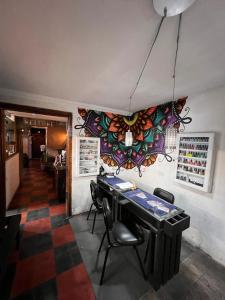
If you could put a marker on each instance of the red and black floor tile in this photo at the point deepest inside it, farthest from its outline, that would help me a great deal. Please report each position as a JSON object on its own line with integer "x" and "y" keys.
{"x": 48, "y": 264}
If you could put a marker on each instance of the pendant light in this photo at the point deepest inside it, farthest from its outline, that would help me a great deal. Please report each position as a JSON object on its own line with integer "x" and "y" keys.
{"x": 165, "y": 8}
{"x": 171, "y": 131}
{"x": 128, "y": 138}
{"x": 173, "y": 7}
{"x": 128, "y": 135}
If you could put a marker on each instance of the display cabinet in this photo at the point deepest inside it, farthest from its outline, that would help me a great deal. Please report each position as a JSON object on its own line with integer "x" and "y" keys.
{"x": 87, "y": 156}
{"x": 10, "y": 135}
{"x": 195, "y": 160}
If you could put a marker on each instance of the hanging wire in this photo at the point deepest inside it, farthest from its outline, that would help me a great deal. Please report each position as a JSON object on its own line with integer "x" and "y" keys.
{"x": 130, "y": 106}
{"x": 142, "y": 71}
{"x": 171, "y": 131}
{"x": 175, "y": 60}
{"x": 149, "y": 53}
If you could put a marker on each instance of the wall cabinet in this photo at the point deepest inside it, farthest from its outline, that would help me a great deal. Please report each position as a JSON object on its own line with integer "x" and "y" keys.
{"x": 195, "y": 160}
{"x": 10, "y": 135}
{"x": 87, "y": 156}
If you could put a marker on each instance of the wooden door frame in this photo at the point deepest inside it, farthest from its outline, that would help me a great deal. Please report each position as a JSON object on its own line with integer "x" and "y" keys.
{"x": 2, "y": 170}
{"x": 43, "y": 111}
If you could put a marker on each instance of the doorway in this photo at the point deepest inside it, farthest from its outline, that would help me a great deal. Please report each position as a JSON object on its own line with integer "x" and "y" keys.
{"x": 38, "y": 138}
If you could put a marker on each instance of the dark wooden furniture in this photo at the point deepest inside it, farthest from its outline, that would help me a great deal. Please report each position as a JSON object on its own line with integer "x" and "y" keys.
{"x": 163, "y": 257}
{"x": 60, "y": 182}
{"x": 8, "y": 234}
{"x": 165, "y": 195}
{"x": 42, "y": 111}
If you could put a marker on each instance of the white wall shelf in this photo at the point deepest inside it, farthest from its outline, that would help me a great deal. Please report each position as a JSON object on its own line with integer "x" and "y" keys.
{"x": 87, "y": 156}
{"x": 195, "y": 160}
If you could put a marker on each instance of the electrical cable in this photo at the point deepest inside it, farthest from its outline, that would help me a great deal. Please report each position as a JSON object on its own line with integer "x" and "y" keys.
{"x": 175, "y": 60}
{"x": 147, "y": 58}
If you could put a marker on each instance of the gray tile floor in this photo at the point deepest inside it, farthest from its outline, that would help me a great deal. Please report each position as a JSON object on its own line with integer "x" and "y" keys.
{"x": 199, "y": 278}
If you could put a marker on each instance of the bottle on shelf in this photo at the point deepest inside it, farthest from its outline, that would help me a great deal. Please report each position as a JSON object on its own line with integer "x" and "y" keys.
{"x": 196, "y": 181}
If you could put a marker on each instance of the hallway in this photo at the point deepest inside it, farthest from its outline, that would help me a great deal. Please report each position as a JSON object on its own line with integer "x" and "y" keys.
{"x": 48, "y": 264}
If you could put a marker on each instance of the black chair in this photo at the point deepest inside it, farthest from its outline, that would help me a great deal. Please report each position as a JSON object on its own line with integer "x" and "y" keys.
{"x": 165, "y": 195}
{"x": 96, "y": 202}
{"x": 120, "y": 236}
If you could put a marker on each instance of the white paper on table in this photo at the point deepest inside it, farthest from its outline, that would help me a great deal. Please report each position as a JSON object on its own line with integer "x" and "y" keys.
{"x": 110, "y": 176}
{"x": 153, "y": 202}
{"x": 163, "y": 208}
{"x": 125, "y": 185}
{"x": 159, "y": 205}
{"x": 141, "y": 195}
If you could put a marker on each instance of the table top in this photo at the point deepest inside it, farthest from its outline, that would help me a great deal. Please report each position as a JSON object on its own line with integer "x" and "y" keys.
{"x": 157, "y": 207}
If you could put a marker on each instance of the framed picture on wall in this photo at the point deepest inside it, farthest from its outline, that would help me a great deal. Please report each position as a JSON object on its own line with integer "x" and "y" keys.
{"x": 195, "y": 160}
{"x": 87, "y": 156}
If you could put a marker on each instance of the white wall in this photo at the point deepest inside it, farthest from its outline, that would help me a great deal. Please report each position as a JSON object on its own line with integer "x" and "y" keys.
{"x": 12, "y": 177}
{"x": 207, "y": 210}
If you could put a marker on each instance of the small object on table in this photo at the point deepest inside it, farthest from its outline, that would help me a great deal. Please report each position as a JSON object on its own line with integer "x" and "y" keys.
{"x": 125, "y": 186}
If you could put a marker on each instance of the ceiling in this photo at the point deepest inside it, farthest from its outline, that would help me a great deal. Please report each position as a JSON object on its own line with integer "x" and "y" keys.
{"x": 91, "y": 51}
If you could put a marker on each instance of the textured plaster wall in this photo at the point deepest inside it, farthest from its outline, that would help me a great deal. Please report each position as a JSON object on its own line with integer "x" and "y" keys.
{"x": 207, "y": 210}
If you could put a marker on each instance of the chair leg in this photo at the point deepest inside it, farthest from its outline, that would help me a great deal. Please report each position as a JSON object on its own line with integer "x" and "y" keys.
{"x": 105, "y": 261}
{"x": 102, "y": 242}
{"x": 93, "y": 225}
{"x": 147, "y": 248}
{"x": 89, "y": 211}
{"x": 140, "y": 262}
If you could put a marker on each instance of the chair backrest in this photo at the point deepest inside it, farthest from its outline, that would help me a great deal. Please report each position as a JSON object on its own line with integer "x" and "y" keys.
{"x": 95, "y": 195}
{"x": 163, "y": 194}
{"x": 107, "y": 214}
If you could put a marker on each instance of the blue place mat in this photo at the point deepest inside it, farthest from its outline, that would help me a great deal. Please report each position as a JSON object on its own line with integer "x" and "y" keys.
{"x": 133, "y": 195}
{"x": 112, "y": 181}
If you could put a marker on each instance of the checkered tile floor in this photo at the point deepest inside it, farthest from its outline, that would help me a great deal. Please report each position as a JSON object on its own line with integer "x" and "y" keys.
{"x": 48, "y": 264}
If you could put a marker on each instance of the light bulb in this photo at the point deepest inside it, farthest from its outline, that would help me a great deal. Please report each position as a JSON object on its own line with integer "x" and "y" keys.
{"x": 128, "y": 138}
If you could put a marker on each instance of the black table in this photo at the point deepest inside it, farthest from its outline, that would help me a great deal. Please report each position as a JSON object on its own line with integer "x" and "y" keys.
{"x": 166, "y": 221}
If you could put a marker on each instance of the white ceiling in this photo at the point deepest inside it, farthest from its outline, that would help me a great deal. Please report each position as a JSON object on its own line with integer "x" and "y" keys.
{"x": 91, "y": 51}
